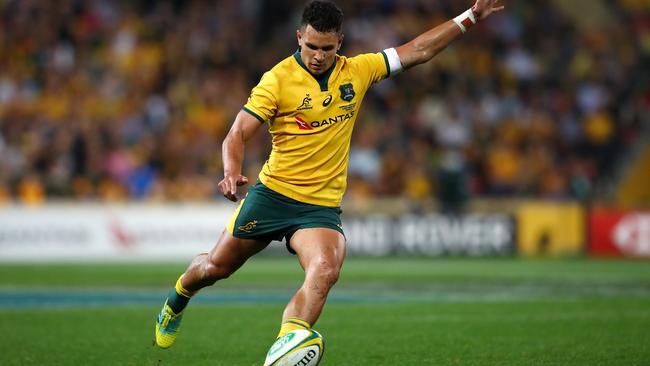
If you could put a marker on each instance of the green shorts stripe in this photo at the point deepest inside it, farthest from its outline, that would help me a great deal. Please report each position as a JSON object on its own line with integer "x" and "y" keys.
{"x": 266, "y": 215}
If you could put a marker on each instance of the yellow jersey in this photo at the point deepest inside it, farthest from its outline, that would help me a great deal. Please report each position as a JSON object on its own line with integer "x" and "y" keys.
{"x": 310, "y": 119}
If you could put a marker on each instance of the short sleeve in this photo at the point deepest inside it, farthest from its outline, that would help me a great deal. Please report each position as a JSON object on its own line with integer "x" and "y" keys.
{"x": 262, "y": 103}
{"x": 372, "y": 67}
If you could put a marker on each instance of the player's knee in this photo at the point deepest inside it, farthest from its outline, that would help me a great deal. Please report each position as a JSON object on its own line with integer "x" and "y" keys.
{"x": 327, "y": 274}
{"x": 215, "y": 271}
{"x": 333, "y": 276}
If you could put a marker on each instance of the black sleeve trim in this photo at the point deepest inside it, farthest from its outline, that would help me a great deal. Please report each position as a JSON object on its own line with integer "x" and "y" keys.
{"x": 254, "y": 114}
{"x": 387, "y": 64}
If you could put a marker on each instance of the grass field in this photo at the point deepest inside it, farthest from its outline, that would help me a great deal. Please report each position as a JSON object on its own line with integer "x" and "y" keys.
{"x": 394, "y": 311}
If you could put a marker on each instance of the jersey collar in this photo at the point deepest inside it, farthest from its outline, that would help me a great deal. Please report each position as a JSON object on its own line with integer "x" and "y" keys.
{"x": 323, "y": 78}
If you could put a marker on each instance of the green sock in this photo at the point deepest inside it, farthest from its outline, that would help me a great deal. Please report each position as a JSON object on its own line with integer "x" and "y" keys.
{"x": 179, "y": 297}
{"x": 176, "y": 301}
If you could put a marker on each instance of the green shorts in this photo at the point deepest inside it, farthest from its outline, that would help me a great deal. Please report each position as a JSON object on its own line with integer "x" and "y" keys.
{"x": 266, "y": 215}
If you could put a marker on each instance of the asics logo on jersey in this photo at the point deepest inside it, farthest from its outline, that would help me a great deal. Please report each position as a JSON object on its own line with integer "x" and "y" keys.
{"x": 302, "y": 124}
{"x": 248, "y": 227}
{"x": 327, "y": 101}
{"x": 306, "y": 103}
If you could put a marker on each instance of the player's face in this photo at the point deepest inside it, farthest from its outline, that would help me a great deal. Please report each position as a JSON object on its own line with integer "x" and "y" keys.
{"x": 318, "y": 49}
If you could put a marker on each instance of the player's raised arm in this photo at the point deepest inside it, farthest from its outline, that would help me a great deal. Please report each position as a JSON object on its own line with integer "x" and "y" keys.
{"x": 233, "y": 153}
{"x": 424, "y": 47}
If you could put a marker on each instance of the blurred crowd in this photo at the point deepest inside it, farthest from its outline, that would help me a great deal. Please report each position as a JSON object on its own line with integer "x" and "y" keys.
{"x": 130, "y": 100}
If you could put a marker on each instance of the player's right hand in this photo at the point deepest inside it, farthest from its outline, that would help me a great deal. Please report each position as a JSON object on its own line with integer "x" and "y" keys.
{"x": 228, "y": 185}
{"x": 483, "y": 8}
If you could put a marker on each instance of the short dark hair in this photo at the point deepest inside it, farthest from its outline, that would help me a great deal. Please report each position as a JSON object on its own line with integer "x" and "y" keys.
{"x": 323, "y": 16}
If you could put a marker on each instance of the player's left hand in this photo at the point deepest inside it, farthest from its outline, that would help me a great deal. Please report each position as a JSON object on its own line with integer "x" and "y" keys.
{"x": 483, "y": 8}
{"x": 229, "y": 184}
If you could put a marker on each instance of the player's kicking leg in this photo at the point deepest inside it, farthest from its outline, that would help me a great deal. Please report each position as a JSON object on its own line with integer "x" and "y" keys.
{"x": 321, "y": 252}
{"x": 225, "y": 258}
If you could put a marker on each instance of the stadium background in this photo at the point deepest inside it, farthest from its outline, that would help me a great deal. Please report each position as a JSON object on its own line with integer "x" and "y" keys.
{"x": 529, "y": 137}
{"x": 105, "y": 102}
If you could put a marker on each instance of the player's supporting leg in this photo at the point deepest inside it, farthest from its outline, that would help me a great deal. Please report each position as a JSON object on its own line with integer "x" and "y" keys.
{"x": 321, "y": 252}
{"x": 227, "y": 256}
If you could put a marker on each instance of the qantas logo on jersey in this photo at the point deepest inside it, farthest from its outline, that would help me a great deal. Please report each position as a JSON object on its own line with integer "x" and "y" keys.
{"x": 302, "y": 124}
{"x": 332, "y": 120}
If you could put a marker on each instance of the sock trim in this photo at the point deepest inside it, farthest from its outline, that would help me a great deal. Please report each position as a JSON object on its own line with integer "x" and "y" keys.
{"x": 181, "y": 290}
{"x": 297, "y": 321}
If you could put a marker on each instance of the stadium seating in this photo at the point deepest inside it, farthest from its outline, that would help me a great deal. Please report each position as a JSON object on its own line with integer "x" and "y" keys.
{"x": 117, "y": 101}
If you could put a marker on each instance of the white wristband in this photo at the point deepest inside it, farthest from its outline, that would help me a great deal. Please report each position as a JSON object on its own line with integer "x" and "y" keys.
{"x": 465, "y": 20}
{"x": 394, "y": 63}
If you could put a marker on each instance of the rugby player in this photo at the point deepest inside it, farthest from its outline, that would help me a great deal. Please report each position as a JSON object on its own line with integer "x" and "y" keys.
{"x": 309, "y": 103}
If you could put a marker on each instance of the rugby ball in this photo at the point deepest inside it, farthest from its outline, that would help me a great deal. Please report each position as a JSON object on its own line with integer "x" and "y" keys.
{"x": 300, "y": 347}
